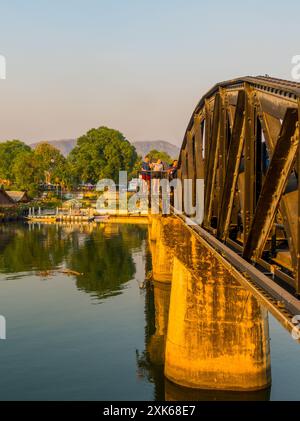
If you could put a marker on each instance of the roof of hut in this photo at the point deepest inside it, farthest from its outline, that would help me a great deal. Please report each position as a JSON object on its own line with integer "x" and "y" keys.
{"x": 18, "y": 196}
{"x": 5, "y": 199}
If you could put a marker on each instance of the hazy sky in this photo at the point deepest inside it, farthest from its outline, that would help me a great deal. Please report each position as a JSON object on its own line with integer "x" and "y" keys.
{"x": 139, "y": 66}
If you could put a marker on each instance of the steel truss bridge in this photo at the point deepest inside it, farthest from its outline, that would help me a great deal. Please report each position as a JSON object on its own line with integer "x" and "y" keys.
{"x": 243, "y": 140}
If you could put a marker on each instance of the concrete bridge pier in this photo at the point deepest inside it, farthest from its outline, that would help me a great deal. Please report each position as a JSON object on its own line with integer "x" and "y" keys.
{"x": 162, "y": 246}
{"x": 218, "y": 334}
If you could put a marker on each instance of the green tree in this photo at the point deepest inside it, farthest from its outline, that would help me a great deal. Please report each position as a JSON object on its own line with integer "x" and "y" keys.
{"x": 51, "y": 163}
{"x": 27, "y": 173}
{"x": 9, "y": 152}
{"x": 44, "y": 164}
{"x": 102, "y": 153}
{"x": 154, "y": 155}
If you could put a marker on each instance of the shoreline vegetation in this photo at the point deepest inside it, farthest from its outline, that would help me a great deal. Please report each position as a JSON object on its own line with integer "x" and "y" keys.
{"x": 47, "y": 177}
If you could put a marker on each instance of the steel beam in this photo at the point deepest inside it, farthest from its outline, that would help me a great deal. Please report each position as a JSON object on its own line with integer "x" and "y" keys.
{"x": 250, "y": 160}
{"x": 199, "y": 148}
{"x": 212, "y": 162}
{"x": 288, "y": 207}
{"x": 223, "y": 142}
{"x": 190, "y": 145}
{"x": 271, "y": 129}
{"x": 232, "y": 171}
{"x": 273, "y": 188}
{"x": 207, "y": 124}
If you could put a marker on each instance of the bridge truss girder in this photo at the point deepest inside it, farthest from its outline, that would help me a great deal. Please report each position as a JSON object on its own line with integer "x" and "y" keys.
{"x": 243, "y": 140}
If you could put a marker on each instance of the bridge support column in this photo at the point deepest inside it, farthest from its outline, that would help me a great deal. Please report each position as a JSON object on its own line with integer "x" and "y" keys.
{"x": 161, "y": 249}
{"x": 217, "y": 332}
{"x": 154, "y": 225}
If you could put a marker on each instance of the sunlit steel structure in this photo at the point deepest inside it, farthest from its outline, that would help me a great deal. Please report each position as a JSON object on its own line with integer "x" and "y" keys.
{"x": 243, "y": 140}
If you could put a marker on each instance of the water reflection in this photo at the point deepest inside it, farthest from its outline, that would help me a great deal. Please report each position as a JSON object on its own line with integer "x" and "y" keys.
{"x": 101, "y": 255}
{"x": 25, "y": 248}
{"x": 147, "y": 368}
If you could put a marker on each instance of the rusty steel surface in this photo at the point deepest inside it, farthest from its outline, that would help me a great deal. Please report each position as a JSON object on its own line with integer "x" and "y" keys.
{"x": 243, "y": 140}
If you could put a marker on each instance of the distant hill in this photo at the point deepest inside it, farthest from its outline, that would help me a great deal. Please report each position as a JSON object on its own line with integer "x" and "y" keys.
{"x": 142, "y": 148}
{"x": 65, "y": 146}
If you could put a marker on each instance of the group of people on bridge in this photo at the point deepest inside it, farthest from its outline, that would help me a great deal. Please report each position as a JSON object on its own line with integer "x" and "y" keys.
{"x": 152, "y": 172}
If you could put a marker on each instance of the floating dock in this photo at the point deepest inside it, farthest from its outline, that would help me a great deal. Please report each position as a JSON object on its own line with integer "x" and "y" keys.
{"x": 110, "y": 219}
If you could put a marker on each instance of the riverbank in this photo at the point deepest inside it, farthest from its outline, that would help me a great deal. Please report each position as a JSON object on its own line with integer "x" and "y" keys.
{"x": 11, "y": 215}
{"x": 19, "y": 211}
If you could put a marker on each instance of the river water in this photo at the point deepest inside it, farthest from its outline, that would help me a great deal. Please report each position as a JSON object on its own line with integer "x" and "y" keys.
{"x": 85, "y": 335}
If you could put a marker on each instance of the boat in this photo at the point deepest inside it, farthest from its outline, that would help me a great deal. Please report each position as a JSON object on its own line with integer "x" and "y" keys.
{"x": 100, "y": 218}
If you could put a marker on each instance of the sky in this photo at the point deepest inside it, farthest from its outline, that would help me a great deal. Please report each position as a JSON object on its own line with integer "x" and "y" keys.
{"x": 138, "y": 66}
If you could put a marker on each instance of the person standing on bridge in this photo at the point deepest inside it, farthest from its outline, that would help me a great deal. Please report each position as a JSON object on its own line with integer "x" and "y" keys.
{"x": 173, "y": 170}
{"x": 157, "y": 175}
{"x": 146, "y": 172}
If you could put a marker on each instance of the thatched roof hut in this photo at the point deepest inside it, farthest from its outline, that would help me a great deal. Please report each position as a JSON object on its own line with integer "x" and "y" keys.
{"x": 18, "y": 196}
{"x": 5, "y": 199}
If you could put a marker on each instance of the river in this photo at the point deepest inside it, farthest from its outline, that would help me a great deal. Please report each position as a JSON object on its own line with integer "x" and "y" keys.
{"x": 85, "y": 335}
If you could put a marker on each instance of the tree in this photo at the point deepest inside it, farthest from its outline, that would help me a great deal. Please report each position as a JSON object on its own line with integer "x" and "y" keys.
{"x": 27, "y": 173}
{"x": 102, "y": 153}
{"x": 30, "y": 167}
{"x": 50, "y": 162}
{"x": 26, "y": 168}
{"x": 9, "y": 152}
{"x": 154, "y": 155}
